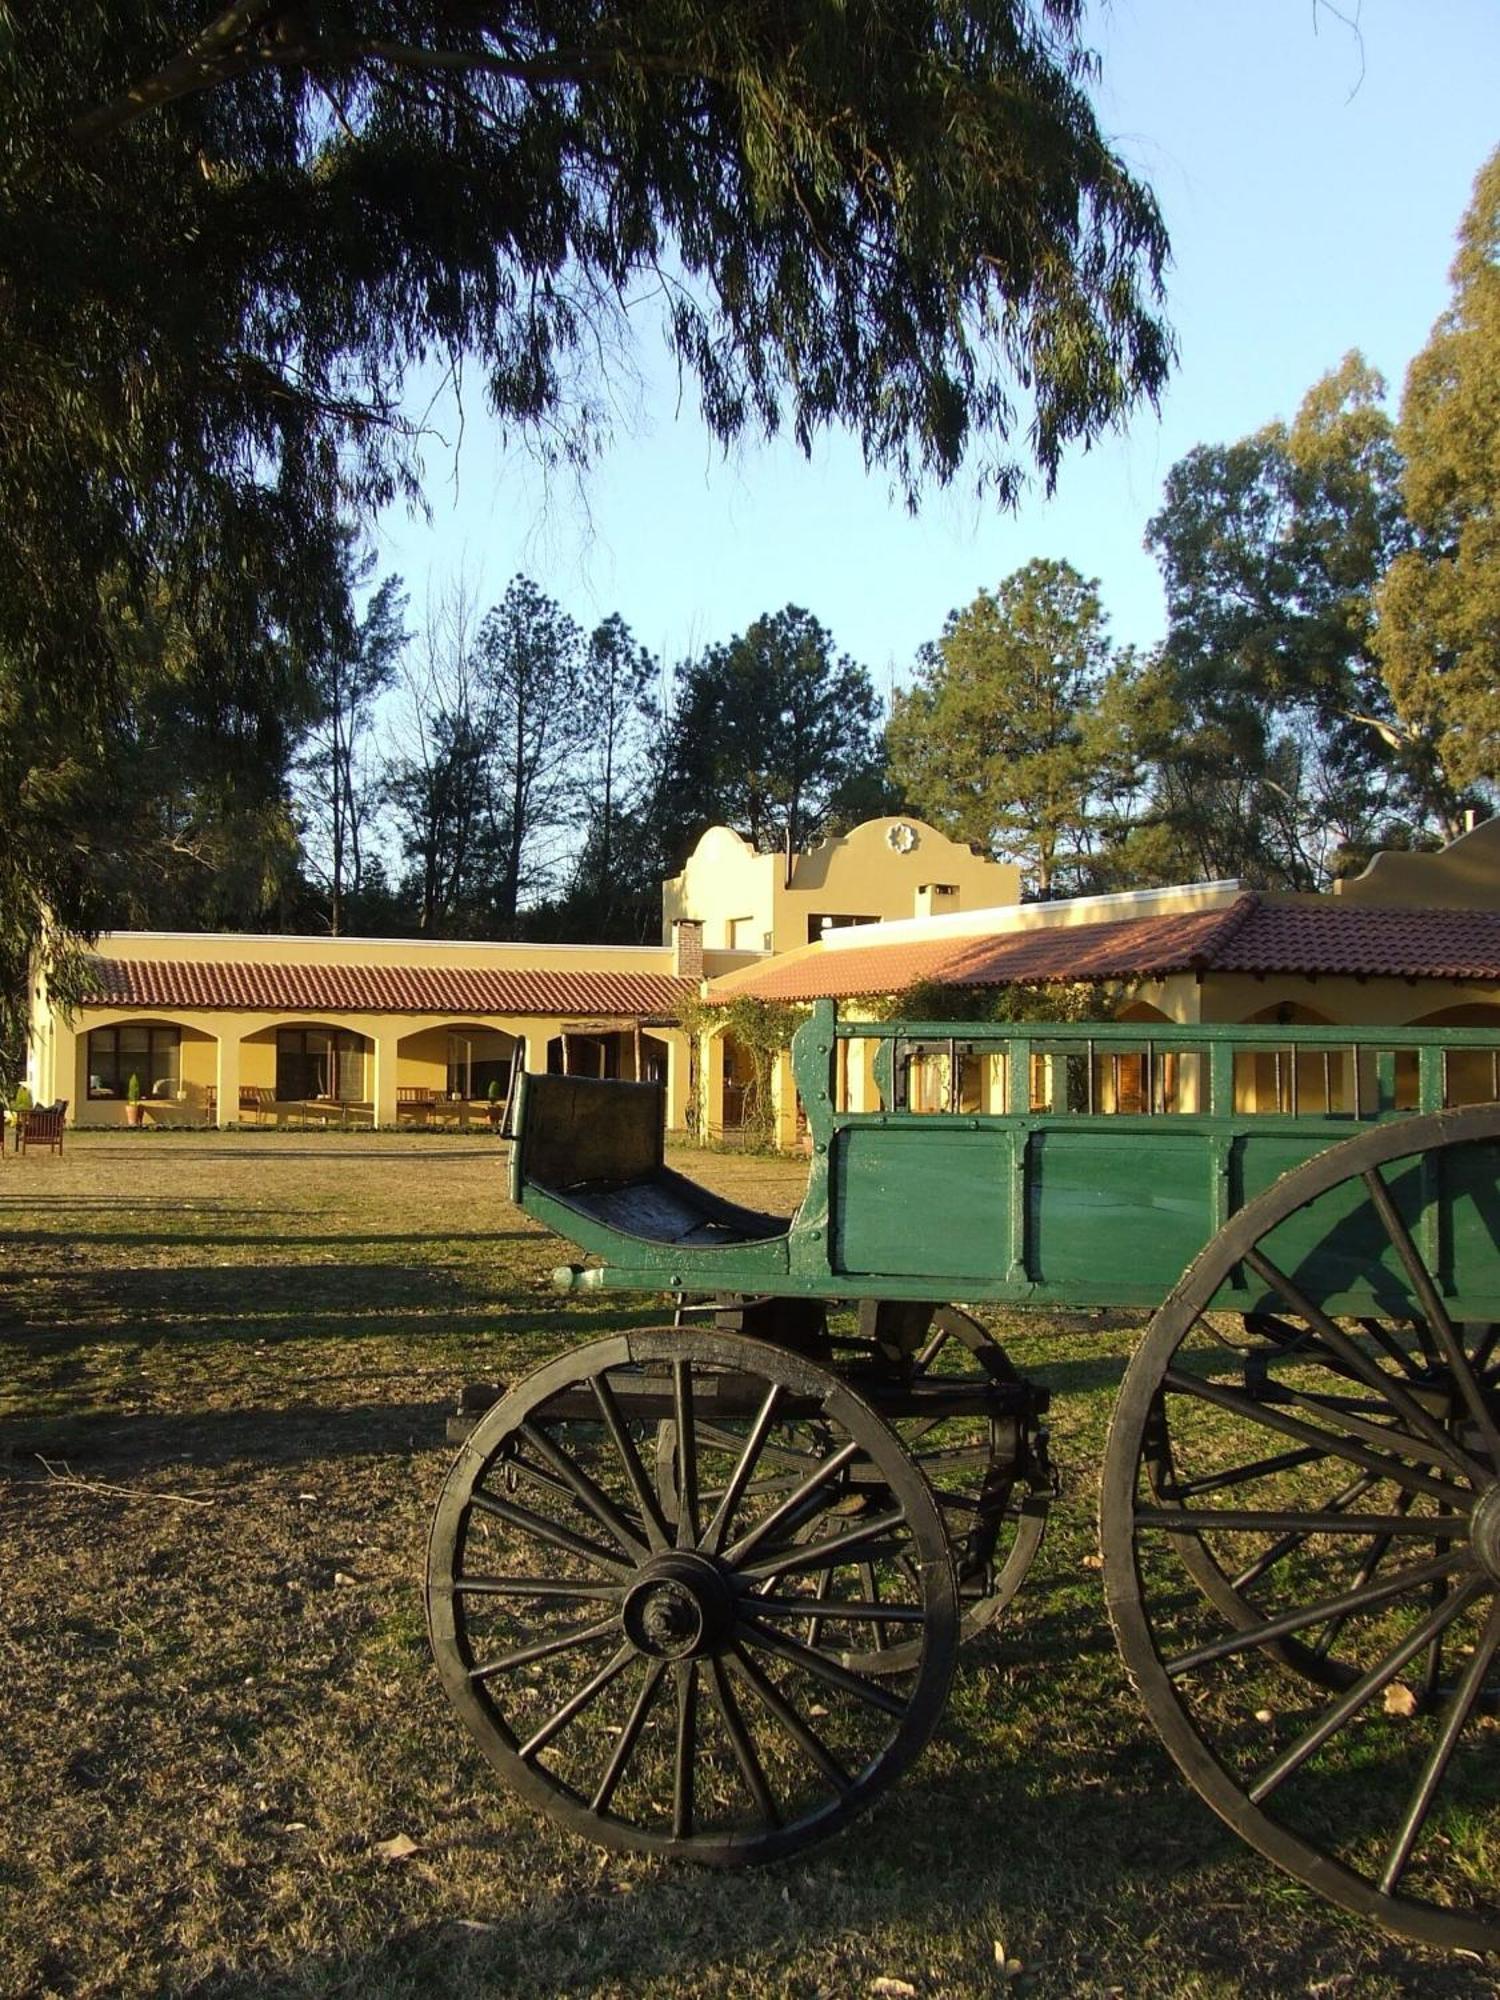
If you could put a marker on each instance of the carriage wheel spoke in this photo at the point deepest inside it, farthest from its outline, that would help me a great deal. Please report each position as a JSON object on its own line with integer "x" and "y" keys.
{"x": 1280, "y": 1550}
{"x": 1359, "y": 1363}
{"x": 872, "y": 1590}
{"x": 610, "y": 1671}
{"x": 820, "y": 1592}
{"x": 588, "y": 1494}
{"x": 809, "y": 1489}
{"x": 1465, "y": 1695}
{"x": 1235, "y": 1401}
{"x": 543, "y": 1649}
{"x": 629, "y": 1736}
{"x": 833, "y": 1610}
{"x": 1316, "y": 1614}
{"x": 652, "y": 1518}
{"x": 563, "y": 1589}
{"x": 686, "y": 1749}
{"x": 1432, "y": 1672}
{"x": 1390, "y": 1346}
{"x": 926, "y": 1355}
{"x": 1240, "y": 1475}
{"x": 751, "y": 1768}
{"x": 1435, "y": 1312}
{"x": 1249, "y": 1521}
{"x": 822, "y": 1668}
{"x": 739, "y": 1479}
{"x": 802, "y": 1734}
{"x": 687, "y": 1456}
{"x": 1374, "y": 1556}
{"x": 1369, "y": 1684}
{"x": 831, "y": 1549}
{"x": 551, "y": 1532}
{"x": 1353, "y": 1420}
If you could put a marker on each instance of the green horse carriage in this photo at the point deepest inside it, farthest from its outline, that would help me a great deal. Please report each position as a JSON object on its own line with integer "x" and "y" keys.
{"x": 699, "y": 1590}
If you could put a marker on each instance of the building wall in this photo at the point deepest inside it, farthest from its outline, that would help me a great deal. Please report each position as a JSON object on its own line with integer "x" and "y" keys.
{"x": 1465, "y": 875}
{"x": 884, "y": 869}
{"x": 225, "y": 1049}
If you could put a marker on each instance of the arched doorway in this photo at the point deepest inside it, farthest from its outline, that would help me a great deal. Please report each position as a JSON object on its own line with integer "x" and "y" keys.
{"x": 1292, "y": 1081}
{"x": 322, "y": 1063}
{"x": 173, "y": 1068}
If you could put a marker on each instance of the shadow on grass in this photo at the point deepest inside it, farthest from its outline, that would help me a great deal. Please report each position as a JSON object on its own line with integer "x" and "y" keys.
{"x": 262, "y": 1238}
{"x": 253, "y": 1308}
{"x": 1162, "y": 1905}
{"x": 305, "y": 1433}
{"x": 227, "y": 1299}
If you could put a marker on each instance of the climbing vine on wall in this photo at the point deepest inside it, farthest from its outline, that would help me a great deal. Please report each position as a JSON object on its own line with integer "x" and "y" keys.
{"x": 1072, "y": 1000}
{"x": 762, "y": 1029}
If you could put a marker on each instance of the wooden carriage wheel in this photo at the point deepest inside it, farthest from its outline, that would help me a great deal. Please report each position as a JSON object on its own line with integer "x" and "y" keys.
{"x": 668, "y": 1678}
{"x": 1344, "y": 1478}
{"x": 991, "y": 1481}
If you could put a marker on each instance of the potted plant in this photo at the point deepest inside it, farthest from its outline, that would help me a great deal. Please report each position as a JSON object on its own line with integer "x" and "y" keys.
{"x": 21, "y": 1101}
{"x": 133, "y": 1100}
{"x": 495, "y": 1107}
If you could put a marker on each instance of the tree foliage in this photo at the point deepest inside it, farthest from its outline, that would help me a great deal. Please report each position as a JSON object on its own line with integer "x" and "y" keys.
{"x": 989, "y": 742}
{"x": 1439, "y": 633}
{"x": 1291, "y": 764}
{"x": 611, "y": 876}
{"x": 773, "y": 733}
{"x": 339, "y": 780}
{"x": 228, "y": 239}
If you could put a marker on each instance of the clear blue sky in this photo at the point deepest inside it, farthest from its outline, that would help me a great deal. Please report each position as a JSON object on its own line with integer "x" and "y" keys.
{"x": 1312, "y": 184}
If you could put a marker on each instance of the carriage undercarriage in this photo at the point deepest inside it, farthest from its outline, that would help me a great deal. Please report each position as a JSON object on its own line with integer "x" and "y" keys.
{"x": 700, "y": 1590}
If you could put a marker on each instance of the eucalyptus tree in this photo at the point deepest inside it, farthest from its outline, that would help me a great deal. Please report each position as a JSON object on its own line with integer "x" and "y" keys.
{"x": 231, "y": 234}
{"x": 529, "y": 660}
{"x": 617, "y": 682}
{"x": 1291, "y": 761}
{"x": 1439, "y": 632}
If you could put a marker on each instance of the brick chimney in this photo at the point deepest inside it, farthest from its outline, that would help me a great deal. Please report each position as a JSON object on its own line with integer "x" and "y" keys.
{"x": 687, "y": 947}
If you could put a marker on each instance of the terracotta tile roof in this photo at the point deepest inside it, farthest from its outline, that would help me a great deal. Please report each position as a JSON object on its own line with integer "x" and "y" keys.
{"x": 1366, "y": 942}
{"x": 385, "y": 989}
{"x": 1249, "y": 935}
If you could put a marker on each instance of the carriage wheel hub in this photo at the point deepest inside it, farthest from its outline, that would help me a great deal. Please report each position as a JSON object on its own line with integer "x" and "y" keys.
{"x": 679, "y": 1606}
{"x": 1484, "y": 1530}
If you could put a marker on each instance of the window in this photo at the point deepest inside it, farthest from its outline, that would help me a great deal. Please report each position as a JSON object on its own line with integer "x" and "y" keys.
{"x": 816, "y": 925}
{"x": 320, "y": 1062}
{"x": 478, "y": 1060}
{"x": 151, "y": 1054}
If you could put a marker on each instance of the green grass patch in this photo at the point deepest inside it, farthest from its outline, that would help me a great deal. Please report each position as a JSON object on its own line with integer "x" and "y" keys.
{"x": 227, "y": 1363}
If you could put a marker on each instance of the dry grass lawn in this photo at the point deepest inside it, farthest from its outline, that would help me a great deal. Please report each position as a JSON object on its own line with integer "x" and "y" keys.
{"x": 226, "y": 1366}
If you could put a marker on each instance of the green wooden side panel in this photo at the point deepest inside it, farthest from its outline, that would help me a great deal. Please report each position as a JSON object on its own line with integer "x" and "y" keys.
{"x": 1259, "y": 1158}
{"x": 1336, "y": 1248}
{"x": 920, "y": 1201}
{"x": 1127, "y": 1211}
{"x": 1470, "y": 1216}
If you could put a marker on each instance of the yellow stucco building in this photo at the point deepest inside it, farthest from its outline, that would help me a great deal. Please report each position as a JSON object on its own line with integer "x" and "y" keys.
{"x": 224, "y": 1029}
{"x": 221, "y": 1028}
{"x": 1414, "y": 941}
